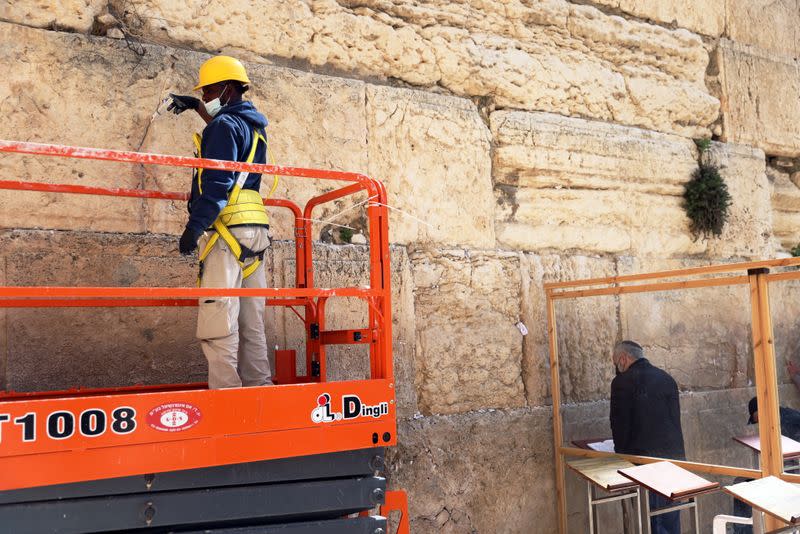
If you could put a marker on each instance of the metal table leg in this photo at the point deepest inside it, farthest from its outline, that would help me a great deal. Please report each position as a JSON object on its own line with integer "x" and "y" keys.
{"x": 594, "y": 500}
{"x": 639, "y": 508}
{"x": 689, "y": 505}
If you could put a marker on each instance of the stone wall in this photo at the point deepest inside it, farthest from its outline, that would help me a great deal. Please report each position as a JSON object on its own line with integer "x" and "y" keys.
{"x": 785, "y": 198}
{"x": 520, "y": 143}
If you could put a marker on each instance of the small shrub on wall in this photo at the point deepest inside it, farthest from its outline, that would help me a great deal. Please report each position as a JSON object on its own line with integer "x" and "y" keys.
{"x": 706, "y": 201}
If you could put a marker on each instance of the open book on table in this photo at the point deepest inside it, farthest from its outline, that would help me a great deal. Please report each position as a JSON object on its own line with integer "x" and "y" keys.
{"x": 604, "y": 446}
{"x": 771, "y": 495}
{"x": 669, "y": 480}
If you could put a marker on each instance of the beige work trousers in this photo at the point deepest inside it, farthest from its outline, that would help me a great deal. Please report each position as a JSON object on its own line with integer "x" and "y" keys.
{"x": 231, "y": 329}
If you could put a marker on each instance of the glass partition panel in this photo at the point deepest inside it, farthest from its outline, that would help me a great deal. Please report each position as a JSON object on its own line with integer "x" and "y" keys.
{"x": 785, "y": 310}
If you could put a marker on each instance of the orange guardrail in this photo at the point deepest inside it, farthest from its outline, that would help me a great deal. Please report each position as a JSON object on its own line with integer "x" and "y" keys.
{"x": 53, "y": 437}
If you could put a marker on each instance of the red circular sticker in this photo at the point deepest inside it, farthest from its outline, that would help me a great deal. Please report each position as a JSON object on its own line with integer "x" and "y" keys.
{"x": 174, "y": 417}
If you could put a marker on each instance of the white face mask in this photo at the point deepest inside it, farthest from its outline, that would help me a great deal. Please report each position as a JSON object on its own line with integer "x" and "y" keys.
{"x": 213, "y": 107}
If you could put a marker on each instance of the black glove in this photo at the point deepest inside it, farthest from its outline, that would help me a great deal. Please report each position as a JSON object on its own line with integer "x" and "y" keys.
{"x": 188, "y": 242}
{"x": 181, "y": 103}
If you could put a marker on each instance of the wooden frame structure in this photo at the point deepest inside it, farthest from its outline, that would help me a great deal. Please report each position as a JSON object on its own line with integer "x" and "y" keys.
{"x": 756, "y": 275}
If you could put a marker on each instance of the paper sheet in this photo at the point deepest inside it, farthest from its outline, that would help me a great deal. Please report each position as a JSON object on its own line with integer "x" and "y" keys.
{"x": 603, "y": 446}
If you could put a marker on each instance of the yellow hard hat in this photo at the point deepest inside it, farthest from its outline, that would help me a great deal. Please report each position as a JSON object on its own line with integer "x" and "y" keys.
{"x": 219, "y": 69}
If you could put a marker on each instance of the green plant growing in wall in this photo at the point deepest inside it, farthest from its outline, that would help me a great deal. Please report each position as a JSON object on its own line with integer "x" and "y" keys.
{"x": 796, "y": 251}
{"x": 706, "y": 200}
{"x": 346, "y": 235}
{"x": 702, "y": 144}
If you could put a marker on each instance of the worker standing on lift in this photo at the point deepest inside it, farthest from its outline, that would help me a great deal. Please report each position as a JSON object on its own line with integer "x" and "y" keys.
{"x": 228, "y": 222}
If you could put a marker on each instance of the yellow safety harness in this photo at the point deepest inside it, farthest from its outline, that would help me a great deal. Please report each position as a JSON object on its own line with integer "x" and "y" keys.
{"x": 245, "y": 207}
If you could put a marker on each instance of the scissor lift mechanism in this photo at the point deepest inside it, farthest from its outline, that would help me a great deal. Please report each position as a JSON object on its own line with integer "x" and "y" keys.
{"x": 292, "y": 458}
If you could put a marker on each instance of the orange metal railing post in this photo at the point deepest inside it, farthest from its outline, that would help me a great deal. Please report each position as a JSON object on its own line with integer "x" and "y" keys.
{"x": 397, "y": 501}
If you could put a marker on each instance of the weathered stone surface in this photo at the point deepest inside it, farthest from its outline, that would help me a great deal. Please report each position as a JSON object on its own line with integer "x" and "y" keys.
{"x": 316, "y": 121}
{"x": 759, "y": 106}
{"x": 706, "y": 16}
{"x": 488, "y": 471}
{"x": 700, "y": 336}
{"x": 75, "y": 15}
{"x": 784, "y": 298}
{"x": 768, "y": 24}
{"x": 61, "y": 348}
{"x": 710, "y": 419}
{"x": 587, "y": 329}
{"x": 348, "y": 266}
{"x": 432, "y": 153}
{"x": 785, "y": 208}
{"x": 571, "y": 184}
{"x": 469, "y": 353}
{"x": 73, "y": 90}
{"x": 748, "y": 230}
{"x": 549, "y": 56}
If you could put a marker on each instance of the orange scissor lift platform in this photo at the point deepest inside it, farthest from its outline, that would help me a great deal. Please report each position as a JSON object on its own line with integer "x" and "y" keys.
{"x": 300, "y": 456}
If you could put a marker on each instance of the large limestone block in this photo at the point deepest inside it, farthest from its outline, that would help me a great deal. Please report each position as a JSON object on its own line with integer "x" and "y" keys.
{"x": 786, "y": 207}
{"x": 487, "y": 471}
{"x": 700, "y": 336}
{"x": 710, "y": 419}
{"x": 549, "y": 56}
{"x": 469, "y": 353}
{"x": 748, "y": 231}
{"x": 587, "y": 329}
{"x": 433, "y": 154}
{"x": 73, "y": 90}
{"x": 760, "y": 106}
{"x": 348, "y": 266}
{"x": 706, "y": 16}
{"x": 76, "y": 15}
{"x": 767, "y": 24}
{"x": 573, "y": 184}
{"x": 62, "y": 348}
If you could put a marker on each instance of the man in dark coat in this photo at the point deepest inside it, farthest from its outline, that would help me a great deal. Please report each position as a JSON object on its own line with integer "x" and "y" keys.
{"x": 646, "y": 418}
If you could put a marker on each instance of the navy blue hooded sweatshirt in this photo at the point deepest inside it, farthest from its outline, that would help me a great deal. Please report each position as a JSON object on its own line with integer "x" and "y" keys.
{"x": 229, "y": 136}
